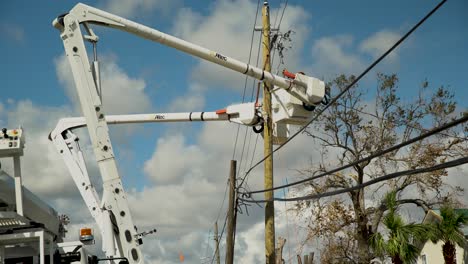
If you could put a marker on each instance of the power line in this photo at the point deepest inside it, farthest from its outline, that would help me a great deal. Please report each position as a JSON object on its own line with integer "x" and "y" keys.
{"x": 243, "y": 148}
{"x": 246, "y": 165}
{"x": 238, "y": 126}
{"x": 372, "y": 156}
{"x": 440, "y": 166}
{"x": 282, "y": 14}
{"x": 251, "y": 47}
{"x": 251, "y": 99}
{"x": 246, "y": 77}
{"x": 245, "y": 82}
{"x": 224, "y": 199}
{"x": 276, "y": 16}
{"x": 370, "y": 67}
{"x": 278, "y": 34}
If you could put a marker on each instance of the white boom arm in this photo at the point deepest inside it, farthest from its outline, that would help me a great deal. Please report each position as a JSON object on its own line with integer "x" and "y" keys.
{"x": 67, "y": 144}
{"x": 308, "y": 89}
{"x": 114, "y": 205}
{"x": 244, "y": 114}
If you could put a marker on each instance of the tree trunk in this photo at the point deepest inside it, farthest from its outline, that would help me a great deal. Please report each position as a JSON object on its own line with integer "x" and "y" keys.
{"x": 362, "y": 232}
{"x": 397, "y": 260}
{"x": 449, "y": 251}
{"x": 279, "y": 250}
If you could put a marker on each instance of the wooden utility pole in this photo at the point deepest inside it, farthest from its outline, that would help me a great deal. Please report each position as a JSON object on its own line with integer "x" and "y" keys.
{"x": 268, "y": 140}
{"x": 216, "y": 239}
{"x": 231, "y": 215}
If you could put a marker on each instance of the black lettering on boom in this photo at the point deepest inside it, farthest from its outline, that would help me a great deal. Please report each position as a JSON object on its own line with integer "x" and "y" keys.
{"x": 221, "y": 57}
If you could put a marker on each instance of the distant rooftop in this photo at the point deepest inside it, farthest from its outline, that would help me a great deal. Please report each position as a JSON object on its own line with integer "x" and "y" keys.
{"x": 432, "y": 215}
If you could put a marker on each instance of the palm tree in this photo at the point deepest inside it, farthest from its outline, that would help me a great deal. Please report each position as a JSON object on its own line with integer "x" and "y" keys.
{"x": 402, "y": 238}
{"x": 448, "y": 229}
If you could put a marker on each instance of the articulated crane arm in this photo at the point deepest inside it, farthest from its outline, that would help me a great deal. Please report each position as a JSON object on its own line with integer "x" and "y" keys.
{"x": 307, "y": 89}
{"x": 113, "y": 205}
{"x": 67, "y": 144}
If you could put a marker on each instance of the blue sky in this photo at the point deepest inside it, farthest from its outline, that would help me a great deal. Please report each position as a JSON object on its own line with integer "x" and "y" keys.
{"x": 331, "y": 37}
{"x": 435, "y": 50}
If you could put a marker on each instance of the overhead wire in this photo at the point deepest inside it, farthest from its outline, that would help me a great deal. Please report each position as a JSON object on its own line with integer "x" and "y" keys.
{"x": 371, "y": 156}
{"x": 251, "y": 99}
{"x": 238, "y": 128}
{"x": 276, "y": 16}
{"x": 444, "y": 165}
{"x": 245, "y": 85}
{"x": 335, "y": 99}
{"x": 282, "y": 14}
{"x": 224, "y": 199}
{"x": 246, "y": 77}
{"x": 278, "y": 27}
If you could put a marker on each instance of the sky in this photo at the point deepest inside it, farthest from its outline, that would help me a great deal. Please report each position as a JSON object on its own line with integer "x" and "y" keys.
{"x": 176, "y": 174}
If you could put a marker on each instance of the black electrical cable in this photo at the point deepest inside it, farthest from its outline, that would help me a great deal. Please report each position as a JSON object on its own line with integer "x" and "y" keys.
{"x": 246, "y": 77}
{"x": 282, "y": 14}
{"x": 440, "y": 166}
{"x": 238, "y": 127}
{"x": 252, "y": 98}
{"x": 224, "y": 199}
{"x": 370, "y": 67}
{"x": 373, "y": 155}
{"x": 277, "y": 28}
{"x": 251, "y": 48}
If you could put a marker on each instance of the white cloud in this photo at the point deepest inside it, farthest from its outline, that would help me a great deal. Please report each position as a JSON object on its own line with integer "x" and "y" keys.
{"x": 334, "y": 55}
{"x": 135, "y": 8}
{"x": 379, "y": 43}
{"x": 43, "y": 169}
{"x": 187, "y": 178}
{"x": 189, "y": 183}
{"x": 252, "y": 242}
{"x": 457, "y": 178}
{"x": 12, "y": 32}
{"x": 229, "y": 32}
{"x": 341, "y": 54}
{"x": 122, "y": 94}
{"x": 192, "y": 101}
{"x": 173, "y": 160}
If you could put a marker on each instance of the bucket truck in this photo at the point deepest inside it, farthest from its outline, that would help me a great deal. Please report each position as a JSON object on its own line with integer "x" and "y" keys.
{"x": 30, "y": 230}
{"x": 294, "y": 95}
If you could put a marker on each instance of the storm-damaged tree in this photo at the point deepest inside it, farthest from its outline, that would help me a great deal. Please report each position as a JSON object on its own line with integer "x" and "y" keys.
{"x": 362, "y": 123}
